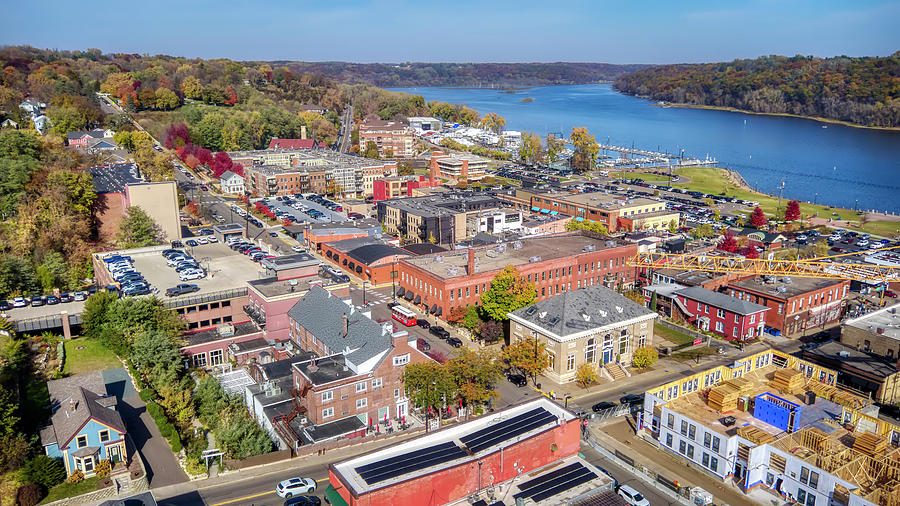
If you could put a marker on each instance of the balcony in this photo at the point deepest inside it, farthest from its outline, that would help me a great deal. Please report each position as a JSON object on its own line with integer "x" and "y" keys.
{"x": 257, "y": 317}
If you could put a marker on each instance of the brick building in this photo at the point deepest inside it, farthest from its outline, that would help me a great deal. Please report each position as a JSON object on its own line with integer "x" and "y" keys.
{"x": 617, "y": 213}
{"x": 458, "y": 167}
{"x": 593, "y": 325}
{"x": 440, "y": 217}
{"x": 393, "y": 138}
{"x": 400, "y": 186}
{"x": 366, "y": 258}
{"x": 797, "y": 305}
{"x": 555, "y": 264}
{"x": 120, "y": 186}
{"x": 721, "y": 314}
{"x": 317, "y": 234}
{"x": 877, "y": 332}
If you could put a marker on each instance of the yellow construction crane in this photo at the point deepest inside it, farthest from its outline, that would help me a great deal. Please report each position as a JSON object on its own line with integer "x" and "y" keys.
{"x": 803, "y": 268}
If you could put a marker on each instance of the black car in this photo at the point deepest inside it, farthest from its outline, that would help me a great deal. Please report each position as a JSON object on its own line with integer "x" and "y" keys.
{"x": 602, "y": 406}
{"x": 5, "y": 305}
{"x": 177, "y": 244}
{"x": 455, "y": 342}
{"x": 66, "y": 297}
{"x": 632, "y": 399}
{"x": 517, "y": 380}
{"x": 52, "y": 300}
{"x": 423, "y": 323}
{"x": 391, "y": 305}
{"x": 439, "y": 331}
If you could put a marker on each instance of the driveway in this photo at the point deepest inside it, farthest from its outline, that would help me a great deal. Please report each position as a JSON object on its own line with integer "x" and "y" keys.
{"x": 162, "y": 466}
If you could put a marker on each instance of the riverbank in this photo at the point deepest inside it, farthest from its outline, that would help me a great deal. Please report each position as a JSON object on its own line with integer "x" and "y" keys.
{"x": 780, "y": 114}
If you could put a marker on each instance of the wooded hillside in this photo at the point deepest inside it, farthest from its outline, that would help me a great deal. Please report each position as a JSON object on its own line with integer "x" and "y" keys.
{"x": 864, "y": 91}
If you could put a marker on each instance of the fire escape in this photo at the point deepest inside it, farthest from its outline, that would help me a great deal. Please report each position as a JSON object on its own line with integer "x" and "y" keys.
{"x": 282, "y": 423}
{"x": 254, "y": 314}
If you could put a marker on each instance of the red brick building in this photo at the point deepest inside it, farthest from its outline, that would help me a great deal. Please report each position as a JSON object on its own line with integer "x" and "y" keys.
{"x": 394, "y": 139}
{"x": 721, "y": 314}
{"x": 365, "y": 258}
{"x": 796, "y": 304}
{"x": 400, "y": 186}
{"x": 317, "y": 234}
{"x": 557, "y": 263}
{"x": 464, "y": 460}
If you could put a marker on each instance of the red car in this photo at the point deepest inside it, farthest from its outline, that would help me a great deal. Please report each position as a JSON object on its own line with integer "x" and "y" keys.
{"x": 837, "y": 250}
{"x": 888, "y": 293}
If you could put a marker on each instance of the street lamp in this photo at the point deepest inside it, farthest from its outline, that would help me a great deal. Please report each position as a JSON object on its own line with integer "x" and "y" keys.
{"x": 364, "y": 292}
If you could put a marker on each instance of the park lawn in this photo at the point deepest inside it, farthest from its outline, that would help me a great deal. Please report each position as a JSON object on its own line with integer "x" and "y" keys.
{"x": 94, "y": 357}
{"x": 672, "y": 335}
{"x": 66, "y": 489}
{"x": 713, "y": 180}
{"x": 646, "y": 176}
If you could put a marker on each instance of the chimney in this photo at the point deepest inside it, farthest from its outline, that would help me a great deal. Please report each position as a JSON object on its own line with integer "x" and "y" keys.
{"x": 303, "y": 131}
{"x": 880, "y": 330}
{"x": 345, "y": 324}
{"x": 470, "y": 265}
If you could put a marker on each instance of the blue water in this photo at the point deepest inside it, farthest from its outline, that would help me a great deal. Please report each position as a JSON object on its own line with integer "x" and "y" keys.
{"x": 837, "y": 165}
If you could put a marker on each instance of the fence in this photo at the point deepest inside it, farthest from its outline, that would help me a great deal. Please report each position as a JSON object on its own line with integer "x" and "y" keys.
{"x": 704, "y": 339}
{"x": 620, "y": 410}
{"x": 268, "y": 458}
{"x": 193, "y": 300}
{"x": 47, "y": 322}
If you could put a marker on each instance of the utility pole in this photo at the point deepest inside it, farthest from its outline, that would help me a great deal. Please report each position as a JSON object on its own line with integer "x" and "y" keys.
{"x": 780, "y": 192}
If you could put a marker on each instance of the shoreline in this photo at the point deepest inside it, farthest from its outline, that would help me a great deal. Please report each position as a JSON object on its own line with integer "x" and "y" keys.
{"x": 776, "y": 114}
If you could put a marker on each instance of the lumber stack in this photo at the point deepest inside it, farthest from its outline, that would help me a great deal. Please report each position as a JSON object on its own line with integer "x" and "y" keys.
{"x": 723, "y": 398}
{"x": 744, "y": 386}
{"x": 755, "y": 434}
{"x": 870, "y": 444}
{"x": 788, "y": 381}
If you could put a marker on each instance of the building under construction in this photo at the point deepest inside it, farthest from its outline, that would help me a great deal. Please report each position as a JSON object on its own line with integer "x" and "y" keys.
{"x": 772, "y": 420}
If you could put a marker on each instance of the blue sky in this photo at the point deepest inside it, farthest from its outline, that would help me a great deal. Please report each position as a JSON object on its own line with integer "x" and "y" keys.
{"x": 624, "y": 31}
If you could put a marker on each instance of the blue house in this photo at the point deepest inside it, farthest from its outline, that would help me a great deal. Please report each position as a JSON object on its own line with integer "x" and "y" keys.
{"x": 85, "y": 426}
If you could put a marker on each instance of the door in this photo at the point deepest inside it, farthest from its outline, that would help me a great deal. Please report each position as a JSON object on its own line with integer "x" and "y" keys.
{"x": 607, "y": 355}
{"x": 115, "y": 453}
{"x": 402, "y": 409}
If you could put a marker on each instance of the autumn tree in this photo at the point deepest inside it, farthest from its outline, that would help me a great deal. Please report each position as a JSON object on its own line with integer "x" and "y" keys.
{"x": 586, "y": 149}
{"x": 493, "y": 122}
{"x": 372, "y": 150}
{"x": 586, "y": 374}
{"x": 792, "y": 211}
{"x": 673, "y": 226}
{"x": 589, "y": 225}
{"x": 475, "y": 374}
{"x": 530, "y": 149}
{"x": 528, "y": 355}
{"x": 702, "y": 231}
{"x": 555, "y": 147}
{"x": 508, "y": 292}
{"x": 644, "y": 357}
{"x": 758, "y": 218}
{"x": 728, "y": 242}
{"x": 428, "y": 385}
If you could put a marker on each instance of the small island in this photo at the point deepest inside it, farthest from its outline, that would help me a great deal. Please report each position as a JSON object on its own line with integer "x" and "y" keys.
{"x": 527, "y": 100}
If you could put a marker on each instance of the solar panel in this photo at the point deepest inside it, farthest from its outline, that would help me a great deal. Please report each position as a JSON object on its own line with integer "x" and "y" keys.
{"x": 555, "y": 482}
{"x": 507, "y": 429}
{"x": 418, "y": 459}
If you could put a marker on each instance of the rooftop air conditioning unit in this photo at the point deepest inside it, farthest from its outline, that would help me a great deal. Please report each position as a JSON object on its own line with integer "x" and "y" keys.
{"x": 844, "y": 354}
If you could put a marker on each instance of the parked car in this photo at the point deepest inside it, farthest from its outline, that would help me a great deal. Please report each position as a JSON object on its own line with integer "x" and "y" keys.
{"x": 632, "y": 496}
{"x": 295, "y": 486}
{"x": 212, "y": 239}
{"x": 192, "y": 243}
{"x": 423, "y": 345}
{"x": 455, "y": 342}
{"x": 424, "y": 324}
{"x": 517, "y": 380}
{"x": 136, "y": 290}
{"x": 79, "y": 296}
{"x": 303, "y": 500}
{"x": 65, "y": 297}
{"x": 191, "y": 274}
{"x": 632, "y": 399}
{"x": 5, "y": 305}
{"x": 602, "y": 406}
{"x": 890, "y": 293}
{"x": 181, "y": 289}
{"x": 20, "y": 302}
{"x": 297, "y": 248}
{"x": 439, "y": 331}
{"x": 37, "y": 301}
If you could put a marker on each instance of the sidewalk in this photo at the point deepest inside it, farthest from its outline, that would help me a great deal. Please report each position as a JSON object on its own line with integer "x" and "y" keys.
{"x": 619, "y": 435}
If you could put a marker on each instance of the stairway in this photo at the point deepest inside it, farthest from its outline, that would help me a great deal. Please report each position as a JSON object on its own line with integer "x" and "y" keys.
{"x": 616, "y": 371}
{"x": 123, "y": 484}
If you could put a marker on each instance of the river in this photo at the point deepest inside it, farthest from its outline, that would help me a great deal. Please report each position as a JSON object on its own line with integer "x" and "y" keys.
{"x": 826, "y": 163}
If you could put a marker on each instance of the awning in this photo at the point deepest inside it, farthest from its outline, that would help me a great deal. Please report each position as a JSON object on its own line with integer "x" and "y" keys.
{"x": 535, "y": 208}
{"x": 433, "y": 309}
{"x": 333, "y": 497}
{"x": 579, "y": 218}
{"x": 545, "y": 211}
{"x": 409, "y": 296}
{"x": 418, "y": 299}
{"x": 439, "y": 311}
{"x": 554, "y": 212}
{"x": 401, "y": 291}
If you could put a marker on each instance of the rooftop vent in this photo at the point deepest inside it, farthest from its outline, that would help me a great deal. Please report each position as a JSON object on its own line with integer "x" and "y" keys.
{"x": 844, "y": 354}
{"x": 619, "y": 309}
{"x": 603, "y": 313}
{"x": 586, "y": 317}
{"x": 536, "y": 258}
{"x": 554, "y": 321}
{"x": 542, "y": 315}
{"x": 531, "y": 310}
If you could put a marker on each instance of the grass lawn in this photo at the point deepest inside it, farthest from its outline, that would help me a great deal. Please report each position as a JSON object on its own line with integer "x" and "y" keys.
{"x": 646, "y": 176}
{"x": 687, "y": 356}
{"x": 715, "y": 182}
{"x": 94, "y": 357}
{"x": 65, "y": 489}
{"x": 672, "y": 335}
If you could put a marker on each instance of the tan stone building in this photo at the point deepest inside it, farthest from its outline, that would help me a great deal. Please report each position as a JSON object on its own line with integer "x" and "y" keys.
{"x": 160, "y": 202}
{"x": 593, "y": 325}
{"x": 120, "y": 186}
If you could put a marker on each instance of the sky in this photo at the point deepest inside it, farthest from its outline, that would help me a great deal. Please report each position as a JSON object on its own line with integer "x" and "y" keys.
{"x": 623, "y": 31}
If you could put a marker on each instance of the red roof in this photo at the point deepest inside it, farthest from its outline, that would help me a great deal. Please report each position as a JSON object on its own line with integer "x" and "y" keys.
{"x": 293, "y": 144}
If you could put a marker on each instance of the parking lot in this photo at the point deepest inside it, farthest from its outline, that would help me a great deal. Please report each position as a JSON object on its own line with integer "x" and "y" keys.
{"x": 301, "y": 217}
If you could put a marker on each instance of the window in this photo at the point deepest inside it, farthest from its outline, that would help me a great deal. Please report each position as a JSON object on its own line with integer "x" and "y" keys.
{"x": 752, "y": 318}
{"x": 669, "y": 440}
{"x": 623, "y": 345}
{"x": 780, "y": 308}
{"x": 87, "y": 464}
{"x": 590, "y": 351}
{"x": 692, "y": 431}
{"x": 360, "y": 387}
{"x": 684, "y": 428}
{"x": 570, "y": 362}
{"x": 376, "y": 383}
{"x": 215, "y": 357}
{"x": 327, "y": 396}
{"x": 199, "y": 360}
{"x": 770, "y": 479}
{"x": 671, "y": 421}
{"x": 396, "y": 393}
{"x": 690, "y": 451}
{"x": 81, "y": 441}
{"x": 720, "y": 327}
{"x": 361, "y": 403}
{"x": 327, "y": 412}
{"x": 735, "y": 318}
{"x": 720, "y": 313}
{"x": 713, "y": 463}
{"x": 809, "y": 477}
{"x": 401, "y": 360}
{"x": 104, "y": 436}
{"x": 715, "y": 444}
{"x": 706, "y": 440}
{"x": 682, "y": 447}
{"x": 705, "y": 459}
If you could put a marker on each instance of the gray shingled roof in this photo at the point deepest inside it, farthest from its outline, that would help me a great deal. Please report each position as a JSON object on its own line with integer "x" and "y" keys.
{"x": 720, "y": 300}
{"x": 67, "y": 421}
{"x": 320, "y": 313}
{"x": 576, "y": 311}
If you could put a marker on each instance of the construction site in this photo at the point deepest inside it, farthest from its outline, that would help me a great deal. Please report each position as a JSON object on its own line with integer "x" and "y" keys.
{"x": 786, "y": 427}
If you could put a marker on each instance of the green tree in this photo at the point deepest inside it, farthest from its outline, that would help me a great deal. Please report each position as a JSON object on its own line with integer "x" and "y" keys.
{"x": 156, "y": 356}
{"x": 493, "y": 122}
{"x": 9, "y": 420}
{"x": 586, "y": 149}
{"x": 78, "y": 188}
{"x": 528, "y": 355}
{"x": 673, "y": 226}
{"x": 586, "y": 374}
{"x": 508, "y": 292}
{"x": 644, "y": 356}
{"x": 653, "y": 301}
{"x": 589, "y": 225}
{"x": 53, "y": 272}
{"x": 17, "y": 277}
{"x": 178, "y": 405}
{"x": 555, "y": 146}
{"x": 702, "y": 231}
{"x": 372, "y": 151}
{"x": 138, "y": 230}
{"x": 530, "y": 149}
{"x": 45, "y": 471}
{"x": 192, "y": 88}
{"x": 428, "y": 385}
{"x": 472, "y": 318}
{"x": 211, "y": 401}
{"x": 166, "y": 99}
{"x": 240, "y": 437}
{"x": 404, "y": 168}
{"x": 475, "y": 373}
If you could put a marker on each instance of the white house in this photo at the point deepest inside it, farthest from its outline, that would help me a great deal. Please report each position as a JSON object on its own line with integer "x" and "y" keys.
{"x": 231, "y": 183}
{"x": 41, "y": 123}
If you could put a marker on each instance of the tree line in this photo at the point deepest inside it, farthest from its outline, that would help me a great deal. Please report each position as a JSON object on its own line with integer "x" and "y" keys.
{"x": 860, "y": 90}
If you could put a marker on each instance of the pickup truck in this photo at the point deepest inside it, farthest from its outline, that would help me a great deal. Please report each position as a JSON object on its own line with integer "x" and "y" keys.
{"x": 181, "y": 289}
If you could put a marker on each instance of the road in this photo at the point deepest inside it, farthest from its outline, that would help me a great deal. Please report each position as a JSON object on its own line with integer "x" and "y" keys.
{"x": 624, "y": 476}
{"x": 346, "y": 133}
{"x": 256, "y": 491}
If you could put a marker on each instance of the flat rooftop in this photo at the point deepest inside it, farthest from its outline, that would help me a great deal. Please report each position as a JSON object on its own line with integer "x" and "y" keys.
{"x": 324, "y": 370}
{"x": 850, "y": 357}
{"x": 444, "y": 205}
{"x": 113, "y": 178}
{"x": 783, "y": 287}
{"x": 450, "y": 447}
{"x": 453, "y": 264}
{"x": 331, "y": 430}
{"x": 601, "y": 200}
{"x": 286, "y": 262}
{"x": 885, "y": 321}
{"x": 210, "y": 335}
{"x": 694, "y": 406}
{"x": 274, "y": 287}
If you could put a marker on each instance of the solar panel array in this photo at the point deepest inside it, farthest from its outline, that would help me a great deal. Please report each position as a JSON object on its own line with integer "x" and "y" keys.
{"x": 555, "y": 482}
{"x": 392, "y": 467}
{"x": 507, "y": 429}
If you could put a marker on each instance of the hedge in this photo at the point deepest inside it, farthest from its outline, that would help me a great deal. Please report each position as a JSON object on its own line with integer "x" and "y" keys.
{"x": 148, "y": 394}
{"x": 61, "y": 354}
{"x": 175, "y": 442}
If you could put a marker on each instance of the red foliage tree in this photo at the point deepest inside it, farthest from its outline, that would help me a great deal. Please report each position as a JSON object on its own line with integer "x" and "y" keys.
{"x": 792, "y": 211}
{"x": 287, "y": 222}
{"x": 192, "y": 161}
{"x": 758, "y": 218}
{"x": 177, "y": 136}
{"x": 230, "y": 96}
{"x": 728, "y": 242}
{"x": 749, "y": 252}
{"x": 260, "y": 206}
{"x": 456, "y": 314}
{"x": 192, "y": 209}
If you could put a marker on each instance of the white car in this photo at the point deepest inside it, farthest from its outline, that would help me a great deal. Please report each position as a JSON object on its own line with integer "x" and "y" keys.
{"x": 192, "y": 274}
{"x": 201, "y": 240}
{"x": 632, "y": 496}
{"x": 212, "y": 238}
{"x": 295, "y": 486}
{"x": 297, "y": 248}
{"x": 20, "y": 302}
